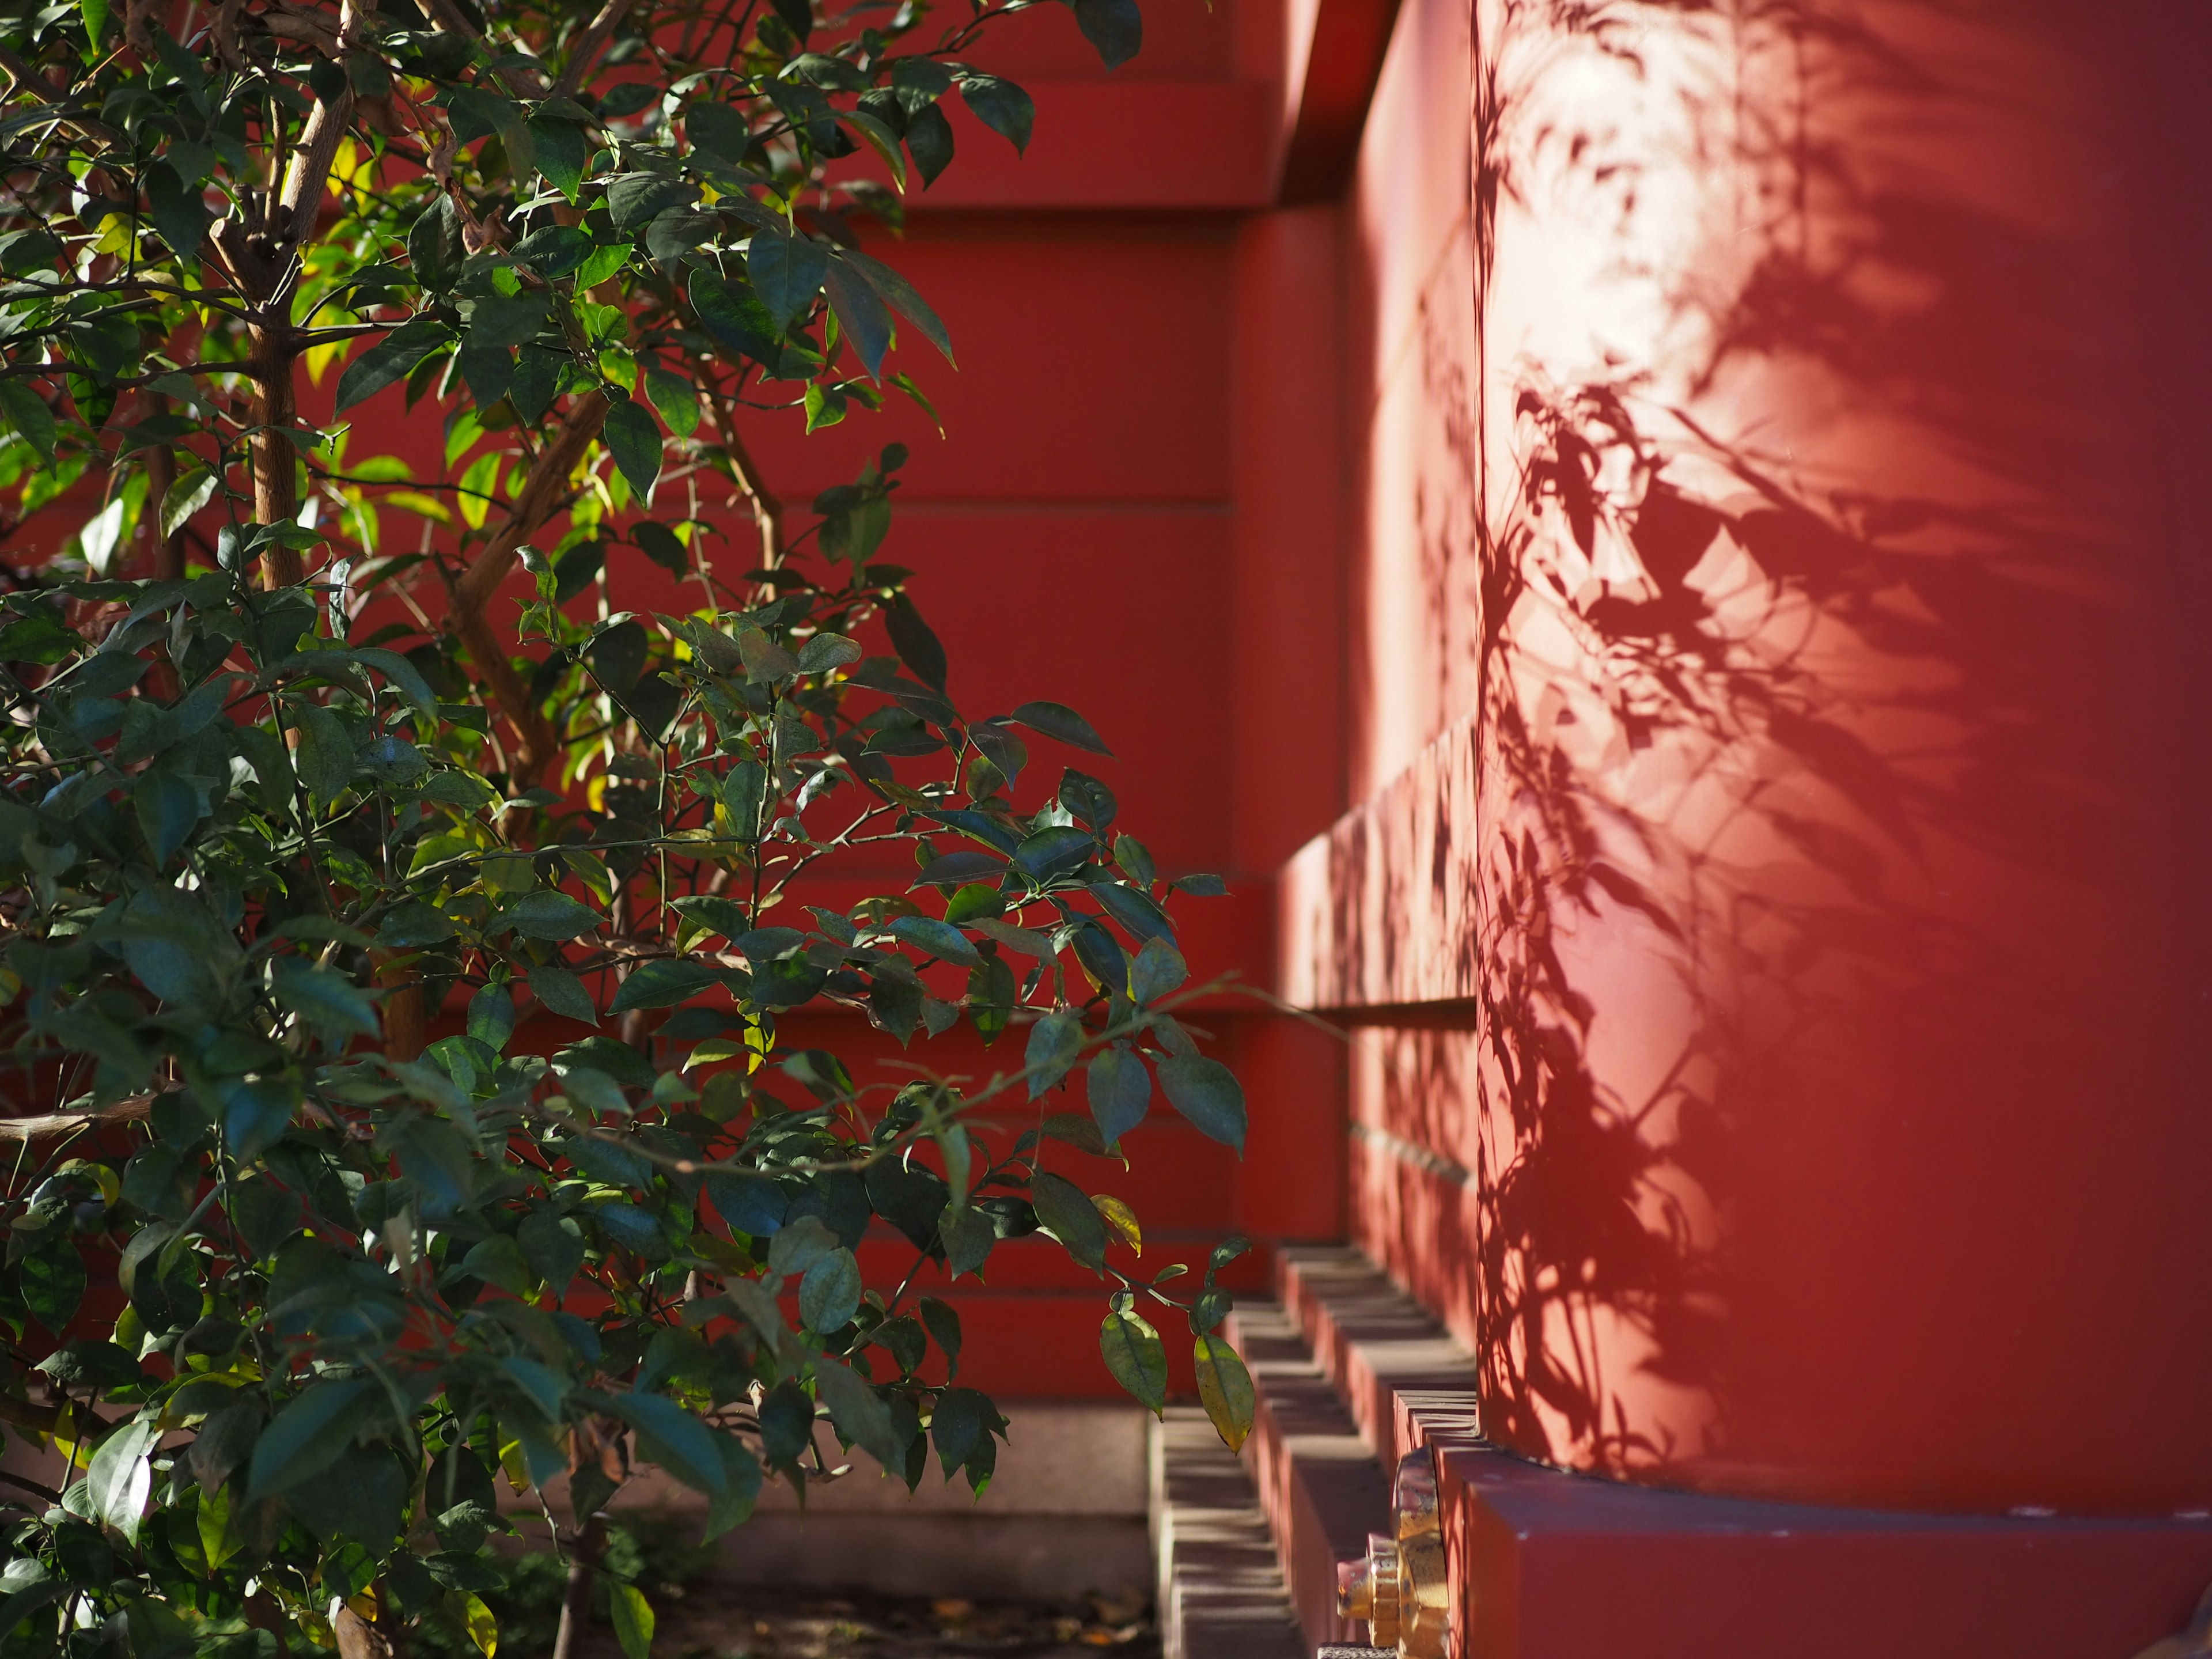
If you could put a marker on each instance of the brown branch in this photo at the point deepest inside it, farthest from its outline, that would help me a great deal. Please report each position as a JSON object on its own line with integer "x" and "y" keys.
{"x": 543, "y": 490}
{"x": 23, "y": 1414}
{"x": 130, "y": 1110}
{"x": 22, "y": 78}
{"x": 521, "y": 81}
{"x": 767, "y": 510}
{"x": 33, "y": 1487}
{"x": 589, "y": 44}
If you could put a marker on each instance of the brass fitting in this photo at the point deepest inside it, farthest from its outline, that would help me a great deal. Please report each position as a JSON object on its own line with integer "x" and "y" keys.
{"x": 1369, "y": 1589}
{"x": 1399, "y": 1588}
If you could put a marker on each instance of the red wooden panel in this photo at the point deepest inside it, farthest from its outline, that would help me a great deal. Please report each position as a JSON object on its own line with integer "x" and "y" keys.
{"x": 1120, "y": 144}
{"x": 1093, "y": 359}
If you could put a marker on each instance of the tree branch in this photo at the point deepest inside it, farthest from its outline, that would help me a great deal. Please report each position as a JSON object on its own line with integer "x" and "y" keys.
{"x": 589, "y": 44}
{"x": 543, "y": 490}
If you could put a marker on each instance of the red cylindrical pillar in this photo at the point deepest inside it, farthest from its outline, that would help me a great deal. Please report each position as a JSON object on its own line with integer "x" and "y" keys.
{"x": 1805, "y": 1092}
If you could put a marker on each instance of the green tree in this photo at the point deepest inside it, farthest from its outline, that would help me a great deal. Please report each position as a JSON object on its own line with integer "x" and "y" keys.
{"x": 287, "y": 778}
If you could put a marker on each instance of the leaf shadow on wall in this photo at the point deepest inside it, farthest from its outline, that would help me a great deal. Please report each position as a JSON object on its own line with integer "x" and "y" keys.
{"x": 1746, "y": 715}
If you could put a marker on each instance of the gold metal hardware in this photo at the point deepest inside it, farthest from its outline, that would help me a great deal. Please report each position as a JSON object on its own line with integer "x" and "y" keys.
{"x": 1399, "y": 1588}
{"x": 1368, "y": 1589}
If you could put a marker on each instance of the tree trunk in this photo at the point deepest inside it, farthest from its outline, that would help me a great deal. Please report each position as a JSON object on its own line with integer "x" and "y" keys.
{"x": 576, "y": 1603}
{"x": 271, "y": 356}
{"x": 168, "y": 559}
{"x": 403, "y": 1013}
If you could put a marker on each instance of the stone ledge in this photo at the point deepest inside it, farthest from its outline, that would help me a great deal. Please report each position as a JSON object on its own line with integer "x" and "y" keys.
{"x": 1319, "y": 1482}
{"x": 1220, "y": 1593}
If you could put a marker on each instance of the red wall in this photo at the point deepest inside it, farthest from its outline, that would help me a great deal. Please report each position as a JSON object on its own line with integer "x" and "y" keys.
{"x": 1774, "y": 915}
{"x": 1132, "y": 510}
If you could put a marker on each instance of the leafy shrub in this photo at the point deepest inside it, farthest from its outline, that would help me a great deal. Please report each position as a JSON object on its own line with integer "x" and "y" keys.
{"x": 308, "y": 1246}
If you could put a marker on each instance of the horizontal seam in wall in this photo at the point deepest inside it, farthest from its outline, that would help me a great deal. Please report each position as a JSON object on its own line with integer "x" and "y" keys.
{"x": 1419, "y": 1157}
{"x": 1214, "y": 509}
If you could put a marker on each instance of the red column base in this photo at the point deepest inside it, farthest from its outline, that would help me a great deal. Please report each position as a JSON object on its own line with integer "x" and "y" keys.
{"x": 1551, "y": 1565}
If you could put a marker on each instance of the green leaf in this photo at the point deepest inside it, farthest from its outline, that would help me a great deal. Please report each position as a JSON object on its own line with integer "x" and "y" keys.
{"x": 898, "y": 293}
{"x": 1225, "y": 1389}
{"x": 662, "y": 984}
{"x": 326, "y": 998}
{"x": 1157, "y": 970}
{"x": 27, "y": 414}
{"x": 1133, "y": 1355}
{"x": 1058, "y": 720}
{"x": 929, "y": 141}
{"x": 936, "y": 938}
{"x": 861, "y": 314}
{"x": 786, "y": 272}
{"x": 414, "y": 924}
{"x": 743, "y": 1472}
{"x": 389, "y": 359}
{"x": 633, "y": 1619}
{"x": 51, "y": 1279}
{"x": 968, "y": 1236}
{"x": 178, "y": 211}
{"x": 962, "y": 1426}
{"x": 547, "y": 912}
{"x": 168, "y": 811}
{"x": 121, "y": 1477}
{"x": 501, "y": 321}
{"x": 1054, "y": 1042}
{"x": 1119, "y": 1090}
{"x": 435, "y": 247}
{"x": 943, "y": 1323}
{"x": 1056, "y": 850}
{"x": 1116, "y": 27}
{"x": 676, "y": 398}
{"x": 555, "y": 250}
{"x": 829, "y": 1294}
{"x": 22, "y": 1603}
{"x": 1074, "y": 1220}
{"x": 561, "y": 151}
{"x": 673, "y": 1438}
{"x": 599, "y": 265}
{"x": 634, "y": 439}
{"x": 185, "y": 496}
{"x": 635, "y": 198}
{"x": 1207, "y": 1093}
{"x": 860, "y": 1413}
{"x": 325, "y": 756}
{"x": 499, "y": 1261}
{"x": 1001, "y": 106}
{"x": 307, "y": 1436}
{"x": 95, "y": 25}
{"x": 553, "y": 1244}
{"x": 563, "y": 994}
{"x": 915, "y": 642}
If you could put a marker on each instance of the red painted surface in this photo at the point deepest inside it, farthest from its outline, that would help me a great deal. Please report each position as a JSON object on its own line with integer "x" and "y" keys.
{"x": 1132, "y": 508}
{"x": 1775, "y": 913}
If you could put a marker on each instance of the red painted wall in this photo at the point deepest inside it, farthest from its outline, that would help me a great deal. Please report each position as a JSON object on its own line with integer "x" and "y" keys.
{"x": 1132, "y": 510}
{"x": 1773, "y": 918}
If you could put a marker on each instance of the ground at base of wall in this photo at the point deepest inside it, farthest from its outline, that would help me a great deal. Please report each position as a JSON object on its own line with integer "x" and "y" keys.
{"x": 711, "y": 1621}
{"x": 718, "y": 1620}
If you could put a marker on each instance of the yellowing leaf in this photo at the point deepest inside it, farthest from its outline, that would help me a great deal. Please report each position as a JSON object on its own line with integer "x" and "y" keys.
{"x": 1121, "y": 1218}
{"x": 319, "y": 358}
{"x": 421, "y": 506}
{"x": 1225, "y": 1389}
{"x": 512, "y": 1464}
{"x": 482, "y": 1628}
{"x": 633, "y": 1619}
{"x": 477, "y": 486}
